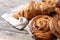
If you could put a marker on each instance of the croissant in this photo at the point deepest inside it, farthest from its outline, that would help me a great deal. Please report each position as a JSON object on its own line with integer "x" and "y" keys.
{"x": 16, "y": 14}
{"x": 29, "y": 10}
{"x": 55, "y": 26}
{"x": 40, "y": 27}
{"x": 37, "y": 8}
{"x": 33, "y": 9}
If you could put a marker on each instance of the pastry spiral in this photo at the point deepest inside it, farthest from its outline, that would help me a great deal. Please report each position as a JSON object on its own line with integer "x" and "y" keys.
{"x": 40, "y": 27}
{"x": 55, "y": 26}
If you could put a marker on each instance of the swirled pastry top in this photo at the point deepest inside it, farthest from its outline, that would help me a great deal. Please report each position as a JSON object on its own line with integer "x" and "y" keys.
{"x": 40, "y": 27}
{"x": 55, "y": 26}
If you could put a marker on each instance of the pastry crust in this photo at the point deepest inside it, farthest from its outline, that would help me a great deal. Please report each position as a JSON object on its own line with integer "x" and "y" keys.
{"x": 16, "y": 14}
{"x": 40, "y": 27}
{"x": 29, "y": 11}
{"x": 57, "y": 10}
{"x": 33, "y": 9}
{"x": 55, "y": 25}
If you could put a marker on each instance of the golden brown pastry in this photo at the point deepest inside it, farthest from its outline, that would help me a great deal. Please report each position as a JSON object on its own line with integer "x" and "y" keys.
{"x": 58, "y": 3}
{"x": 16, "y": 14}
{"x": 40, "y": 27}
{"x": 57, "y": 10}
{"x": 55, "y": 25}
{"x": 51, "y": 2}
{"x": 33, "y": 9}
{"x": 29, "y": 10}
{"x": 48, "y": 1}
{"x": 54, "y": 2}
{"x": 45, "y": 8}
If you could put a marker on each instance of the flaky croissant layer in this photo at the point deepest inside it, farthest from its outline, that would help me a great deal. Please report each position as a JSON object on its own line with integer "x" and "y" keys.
{"x": 33, "y": 9}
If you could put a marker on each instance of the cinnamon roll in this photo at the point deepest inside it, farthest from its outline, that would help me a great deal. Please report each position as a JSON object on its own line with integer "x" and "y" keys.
{"x": 55, "y": 26}
{"x": 40, "y": 27}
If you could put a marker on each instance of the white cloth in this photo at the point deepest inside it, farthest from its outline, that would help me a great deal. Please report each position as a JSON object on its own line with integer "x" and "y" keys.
{"x": 23, "y": 22}
{"x": 27, "y": 28}
{"x": 18, "y": 23}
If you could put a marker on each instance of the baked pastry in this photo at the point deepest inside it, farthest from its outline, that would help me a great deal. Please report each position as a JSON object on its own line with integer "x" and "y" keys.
{"x": 51, "y": 2}
{"x": 55, "y": 2}
{"x": 55, "y": 26}
{"x": 58, "y": 3}
{"x": 33, "y": 9}
{"x": 40, "y": 27}
{"x": 29, "y": 11}
{"x": 57, "y": 10}
{"x": 48, "y": 1}
{"x": 16, "y": 14}
{"x": 46, "y": 8}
